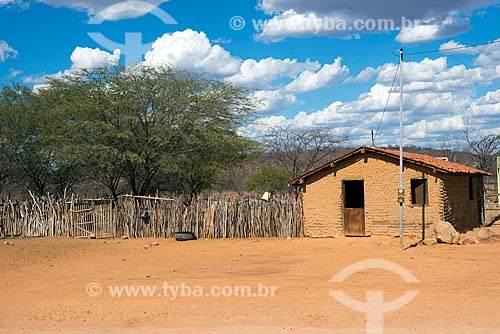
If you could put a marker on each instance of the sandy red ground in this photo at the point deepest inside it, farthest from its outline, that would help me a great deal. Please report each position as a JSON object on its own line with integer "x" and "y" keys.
{"x": 43, "y": 286}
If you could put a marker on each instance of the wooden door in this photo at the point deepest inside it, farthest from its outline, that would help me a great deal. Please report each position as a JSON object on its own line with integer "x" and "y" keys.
{"x": 354, "y": 208}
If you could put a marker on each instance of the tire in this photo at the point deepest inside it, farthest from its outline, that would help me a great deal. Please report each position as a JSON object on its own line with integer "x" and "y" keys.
{"x": 184, "y": 236}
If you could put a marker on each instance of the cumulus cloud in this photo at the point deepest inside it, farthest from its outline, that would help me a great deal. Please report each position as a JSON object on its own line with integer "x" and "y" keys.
{"x": 91, "y": 58}
{"x": 277, "y": 80}
{"x": 489, "y": 55}
{"x": 425, "y": 130}
{"x": 373, "y": 9}
{"x": 6, "y": 51}
{"x": 81, "y": 58}
{"x": 328, "y": 75}
{"x": 291, "y": 23}
{"x": 273, "y": 101}
{"x": 418, "y": 21}
{"x": 433, "y": 29}
{"x": 260, "y": 74}
{"x": 438, "y": 97}
{"x": 109, "y": 9}
{"x": 486, "y": 106}
{"x": 363, "y": 76}
{"x": 453, "y": 47}
{"x": 192, "y": 50}
{"x": 435, "y": 93}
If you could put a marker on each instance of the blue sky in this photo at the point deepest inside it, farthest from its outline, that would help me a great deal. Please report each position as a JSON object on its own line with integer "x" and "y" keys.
{"x": 310, "y": 64}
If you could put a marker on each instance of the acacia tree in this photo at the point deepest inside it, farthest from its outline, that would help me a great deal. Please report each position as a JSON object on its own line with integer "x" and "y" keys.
{"x": 143, "y": 124}
{"x": 298, "y": 150}
{"x": 13, "y": 103}
{"x": 24, "y": 158}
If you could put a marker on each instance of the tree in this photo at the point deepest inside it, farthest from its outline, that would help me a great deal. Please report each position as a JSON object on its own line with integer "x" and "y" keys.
{"x": 12, "y": 101}
{"x": 145, "y": 124}
{"x": 269, "y": 178}
{"x": 484, "y": 148}
{"x": 299, "y": 150}
{"x": 23, "y": 156}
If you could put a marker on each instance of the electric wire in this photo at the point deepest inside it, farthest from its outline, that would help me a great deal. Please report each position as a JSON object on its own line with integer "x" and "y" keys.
{"x": 451, "y": 49}
{"x": 397, "y": 53}
{"x": 386, "y": 104}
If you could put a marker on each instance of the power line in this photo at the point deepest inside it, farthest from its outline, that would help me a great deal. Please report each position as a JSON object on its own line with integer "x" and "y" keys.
{"x": 450, "y": 49}
{"x": 386, "y": 104}
{"x": 397, "y": 53}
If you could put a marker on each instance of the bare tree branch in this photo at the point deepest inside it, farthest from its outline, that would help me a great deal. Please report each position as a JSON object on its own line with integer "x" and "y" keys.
{"x": 299, "y": 150}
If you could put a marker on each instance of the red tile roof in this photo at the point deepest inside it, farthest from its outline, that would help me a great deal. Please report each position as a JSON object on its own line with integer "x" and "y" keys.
{"x": 438, "y": 164}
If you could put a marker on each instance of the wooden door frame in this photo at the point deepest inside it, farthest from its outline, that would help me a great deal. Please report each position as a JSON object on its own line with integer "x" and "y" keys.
{"x": 344, "y": 207}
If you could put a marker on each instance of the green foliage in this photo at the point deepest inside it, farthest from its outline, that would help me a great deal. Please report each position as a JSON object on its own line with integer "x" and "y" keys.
{"x": 269, "y": 178}
{"x": 153, "y": 128}
{"x": 23, "y": 157}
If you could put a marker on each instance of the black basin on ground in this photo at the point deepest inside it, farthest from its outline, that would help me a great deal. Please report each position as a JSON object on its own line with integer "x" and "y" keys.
{"x": 184, "y": 236}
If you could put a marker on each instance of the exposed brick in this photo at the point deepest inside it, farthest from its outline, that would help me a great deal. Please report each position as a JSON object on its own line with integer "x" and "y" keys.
{"x": 448, "y": 197}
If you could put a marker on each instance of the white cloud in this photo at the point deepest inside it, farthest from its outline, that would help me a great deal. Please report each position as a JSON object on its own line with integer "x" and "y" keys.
{"x": 489, "y": 55}
{"x": 418, "y": 21}
{"x": 291, "y": 23}
{"x": 425, "y": 129}
{"x": 486, "y": 106}
{"x": 14, "y": 73}
{"x": 192, "y": 50}
{"x": 262, "y": 73}
{"x": 435, "y": 93}
{"x": 110, "y": 9}
{"x": 273, "y": 101}
{"x": 438, "y": 97}
{"x": 126, "y": 10}
{"x": 328, "y": 75}
{"x": 453, "y": 47}
{"x": 34, "y": 79}
{"x": 81, "y": 58}
{"x": 6, "y": 51}
{"x": 363, "y": 76}
{"x": 434, "y": 29}
{"x": 369, "y": 8}
{"x": 91, "y": 58}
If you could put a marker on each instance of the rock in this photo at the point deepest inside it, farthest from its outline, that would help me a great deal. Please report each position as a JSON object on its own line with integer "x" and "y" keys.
{"x": 492, "y": 240}
{"x": 470, "y": 240}
{"x": 484, "y": 234}
{"x": 6, "y": 242}
{"x": 446, "y": 233}
{"x": 124, "y": 237}
{"x": 429, "y": 241}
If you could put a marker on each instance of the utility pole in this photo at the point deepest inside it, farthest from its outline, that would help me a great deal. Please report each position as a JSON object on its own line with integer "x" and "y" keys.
{"x": 401, "y": 191}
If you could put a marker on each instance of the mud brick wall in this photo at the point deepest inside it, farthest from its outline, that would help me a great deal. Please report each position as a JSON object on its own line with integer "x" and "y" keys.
{"x": 323, "y": 197}
{"x": 461, "y": 207}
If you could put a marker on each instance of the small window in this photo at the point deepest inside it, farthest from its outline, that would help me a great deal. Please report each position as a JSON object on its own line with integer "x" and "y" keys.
{"x": 471, "y": 188}
{"x": 419, "y": 191}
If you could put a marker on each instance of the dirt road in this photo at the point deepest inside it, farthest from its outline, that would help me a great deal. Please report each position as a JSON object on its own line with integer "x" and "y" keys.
{"x": 63, "y": 285}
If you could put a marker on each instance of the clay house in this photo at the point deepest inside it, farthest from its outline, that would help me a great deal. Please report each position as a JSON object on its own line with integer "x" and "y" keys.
{"x": 357, "y": 194}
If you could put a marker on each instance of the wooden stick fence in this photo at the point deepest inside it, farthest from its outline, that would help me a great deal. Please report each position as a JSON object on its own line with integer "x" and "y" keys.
{"x": 141, "y": 217}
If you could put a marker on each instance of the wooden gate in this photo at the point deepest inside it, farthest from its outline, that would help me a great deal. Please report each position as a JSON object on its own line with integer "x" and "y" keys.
{"x": 92, "y": 219}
